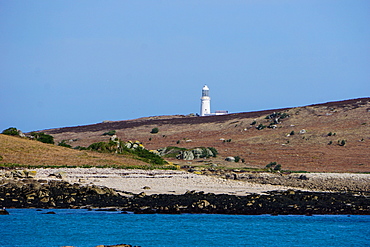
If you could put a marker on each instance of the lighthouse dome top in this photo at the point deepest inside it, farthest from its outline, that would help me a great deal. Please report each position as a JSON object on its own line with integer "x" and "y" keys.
{"x": 205, "y": 87}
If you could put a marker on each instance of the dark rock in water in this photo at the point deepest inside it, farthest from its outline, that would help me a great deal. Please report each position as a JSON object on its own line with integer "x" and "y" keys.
{"x": 106, "y": 209}
{"x": 3, "y": 212}
{"x": 117, "y": 245}
{"x": 51, "y": 212}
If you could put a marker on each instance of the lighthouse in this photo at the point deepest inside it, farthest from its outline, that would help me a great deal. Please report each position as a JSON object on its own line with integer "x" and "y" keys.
{"x": 205, "y": 106}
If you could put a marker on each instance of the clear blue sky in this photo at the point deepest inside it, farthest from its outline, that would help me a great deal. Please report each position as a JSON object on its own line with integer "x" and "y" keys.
{"x": 67, "y": 63}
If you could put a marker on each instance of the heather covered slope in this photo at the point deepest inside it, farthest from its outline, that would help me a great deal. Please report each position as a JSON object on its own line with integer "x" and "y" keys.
{"x": 330, "y": 137}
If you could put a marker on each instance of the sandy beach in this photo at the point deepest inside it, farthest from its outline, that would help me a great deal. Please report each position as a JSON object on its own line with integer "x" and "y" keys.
{"x": 155, "y": 181}
{"x": 171, "y": 181}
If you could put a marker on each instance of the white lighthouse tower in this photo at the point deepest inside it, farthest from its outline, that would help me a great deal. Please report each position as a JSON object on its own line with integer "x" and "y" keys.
{"x": 205, "y": 107}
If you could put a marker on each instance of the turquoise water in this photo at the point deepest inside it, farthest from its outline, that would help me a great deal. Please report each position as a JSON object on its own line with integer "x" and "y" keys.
{"x": 77, "y": 227}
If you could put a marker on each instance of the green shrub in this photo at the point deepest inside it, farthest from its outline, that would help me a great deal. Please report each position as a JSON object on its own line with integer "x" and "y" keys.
{"x": 149, "y": 157}
{"x": 214, "y": 151}
{"x": 342, "y": 143}
{"x": 42, "y": 137}
{"x": 237, "y": 158}
{"x": 98, "y": 146}
{"x": 64, "y": 144}
{"x": 277, "y": 167}
{"x": 292, "y": 133}
{"x": 154, "y": 130}
{"x": 110, "y": 133}
{"x": 120, "y": 148}
{"x": 271, "y": 164}
{"x": 274, "y": 167}
{"x": 260, "y": 127}
{"x": 254, "y": 122}
{"x": 11, "y": 131}
{"x": 80, "y": 148}
{"x": 283, "y": 115}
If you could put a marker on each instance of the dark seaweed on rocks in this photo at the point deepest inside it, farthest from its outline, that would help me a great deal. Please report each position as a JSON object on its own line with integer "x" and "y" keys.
{"x": 57, "y": 194}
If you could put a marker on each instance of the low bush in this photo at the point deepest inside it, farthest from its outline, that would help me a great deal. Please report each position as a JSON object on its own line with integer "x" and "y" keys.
{"x": 110, "y": 133}
{"x": 260, "y": 127}
{"x": 42, "y": 137}
{"x": 342, "y": 142}
{"x": 64, "y": 144}
{"x": 154, "y": 130}
{"x": 11, "y": 131}
{"x": 214, "y": 151}
{"x": 80, "y": 148}
{"x": 119, "y": 147}
{"x": 274, "y": 167}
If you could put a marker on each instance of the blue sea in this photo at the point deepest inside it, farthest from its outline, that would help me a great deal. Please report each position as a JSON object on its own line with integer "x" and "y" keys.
{"x": 79, "y": 227}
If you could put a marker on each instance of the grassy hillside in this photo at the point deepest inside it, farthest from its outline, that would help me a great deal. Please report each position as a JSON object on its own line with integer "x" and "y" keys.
{"x": 16, "y": 151}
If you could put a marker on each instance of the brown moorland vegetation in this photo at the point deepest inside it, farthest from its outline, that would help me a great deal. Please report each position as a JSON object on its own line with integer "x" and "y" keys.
{"x": 315, "y": 146}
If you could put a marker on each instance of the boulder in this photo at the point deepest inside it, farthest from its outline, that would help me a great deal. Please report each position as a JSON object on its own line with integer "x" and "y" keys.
{"x": 21, "y": 134}
{"x": 230, "y": 159}
{"x": 4, "y": 212}
{"x": 18, "y": 174}
{"x": 59, "y": 174}
{"x": 185, "y": 155}
{"x": 29, "y": 174}
{"x": 198, "y": 153}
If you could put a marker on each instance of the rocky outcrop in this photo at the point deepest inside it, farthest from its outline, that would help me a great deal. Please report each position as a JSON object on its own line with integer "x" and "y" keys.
{"x": 287, "y": 202}
{"x": 56, "y": 194}
{"x": 187, "y": 154}
{"x": 195, "y": 153}
{"x": 3, "y": 212}
{"x": 20, "y": 174}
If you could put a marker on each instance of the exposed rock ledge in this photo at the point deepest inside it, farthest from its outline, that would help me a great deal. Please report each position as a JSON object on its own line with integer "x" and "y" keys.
{"x": 26, "y": 193}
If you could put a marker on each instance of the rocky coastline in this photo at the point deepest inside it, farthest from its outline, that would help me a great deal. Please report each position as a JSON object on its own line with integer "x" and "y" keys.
{"x": 38, "y": 193}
